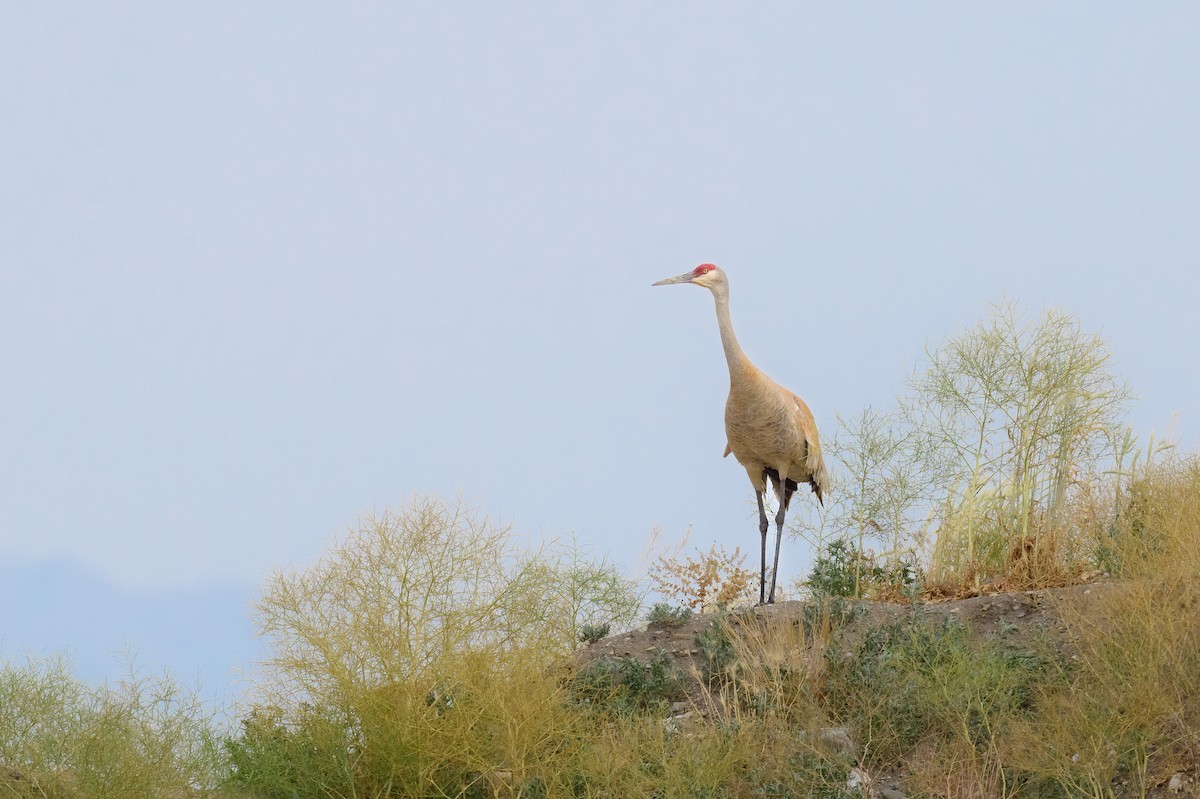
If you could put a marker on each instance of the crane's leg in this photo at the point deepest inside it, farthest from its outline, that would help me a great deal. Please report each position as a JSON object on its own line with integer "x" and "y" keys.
{"x": 778, "y": 538}
{"x": 762, "y": 529}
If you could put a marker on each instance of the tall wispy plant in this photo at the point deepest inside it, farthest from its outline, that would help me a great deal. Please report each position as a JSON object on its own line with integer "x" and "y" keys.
{"x": 1017, "y": 411}
{"x": 995, "y": 427}
{"x": 882, "y": 490}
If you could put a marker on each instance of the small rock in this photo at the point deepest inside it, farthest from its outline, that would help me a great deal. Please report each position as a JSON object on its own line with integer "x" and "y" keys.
{"x": 499, "y": 780}
{"x": 837, "y": 738}
{"x": 680, "y": 707}
{"x": 892, "y": 793}
{"x": 1175, "y": 784}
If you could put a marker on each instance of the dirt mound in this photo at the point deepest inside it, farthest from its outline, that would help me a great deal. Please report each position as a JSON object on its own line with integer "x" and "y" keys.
{"x": 1019, "y": 617}
{"x": 1033, "y": 620}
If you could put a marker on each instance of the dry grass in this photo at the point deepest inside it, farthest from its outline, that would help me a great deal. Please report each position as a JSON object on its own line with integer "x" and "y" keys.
{"x": 1129, "y": 708}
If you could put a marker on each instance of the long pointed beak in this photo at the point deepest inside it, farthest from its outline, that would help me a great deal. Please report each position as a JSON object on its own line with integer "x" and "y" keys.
{"x": 686, "y": 277}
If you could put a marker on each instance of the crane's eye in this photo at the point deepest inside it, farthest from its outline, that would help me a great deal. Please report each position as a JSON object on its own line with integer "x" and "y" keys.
{"x": 703, "y": 269}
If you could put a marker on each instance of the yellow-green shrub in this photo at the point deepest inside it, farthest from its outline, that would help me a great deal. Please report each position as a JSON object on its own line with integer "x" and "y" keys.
{"x": 426, "y": 654}
{"x": 140, "y": 737}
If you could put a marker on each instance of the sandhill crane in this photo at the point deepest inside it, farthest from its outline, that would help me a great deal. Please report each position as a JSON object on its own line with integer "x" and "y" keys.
{"x": 769, "y": 430}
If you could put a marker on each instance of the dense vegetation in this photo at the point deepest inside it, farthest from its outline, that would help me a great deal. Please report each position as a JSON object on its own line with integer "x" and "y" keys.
{"x": 429, "y": 654}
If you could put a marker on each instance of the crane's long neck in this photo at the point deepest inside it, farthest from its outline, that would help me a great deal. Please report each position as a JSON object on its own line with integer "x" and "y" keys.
{"x": 734, "y": 357}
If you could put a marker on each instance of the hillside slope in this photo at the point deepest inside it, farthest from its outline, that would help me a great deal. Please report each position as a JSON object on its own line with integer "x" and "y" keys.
{"x": 831, "y": 647}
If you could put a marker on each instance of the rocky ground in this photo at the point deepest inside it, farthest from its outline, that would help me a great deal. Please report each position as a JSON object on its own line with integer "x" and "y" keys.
{"x": 1019, "y": 615}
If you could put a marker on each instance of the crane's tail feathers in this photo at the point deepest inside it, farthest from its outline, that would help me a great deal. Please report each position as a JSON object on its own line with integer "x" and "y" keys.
{"x": 790, "y": 486}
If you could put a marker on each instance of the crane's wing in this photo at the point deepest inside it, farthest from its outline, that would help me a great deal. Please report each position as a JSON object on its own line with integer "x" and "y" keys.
{"x": 814, "y": 463}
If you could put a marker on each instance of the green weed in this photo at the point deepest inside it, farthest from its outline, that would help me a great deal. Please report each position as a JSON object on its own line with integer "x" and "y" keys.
{"x": 591, "y": 633}
{"x": 913, "y": 680}
{"x": 625, "y": 685}
{"x": 665, "y": 615}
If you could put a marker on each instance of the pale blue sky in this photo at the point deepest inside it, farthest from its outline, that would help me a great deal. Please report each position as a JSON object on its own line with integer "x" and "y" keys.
{"x": 267, "y": 266}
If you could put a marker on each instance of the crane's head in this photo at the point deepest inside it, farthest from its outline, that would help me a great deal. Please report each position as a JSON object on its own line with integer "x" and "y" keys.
{"x": 707, "y": 275}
